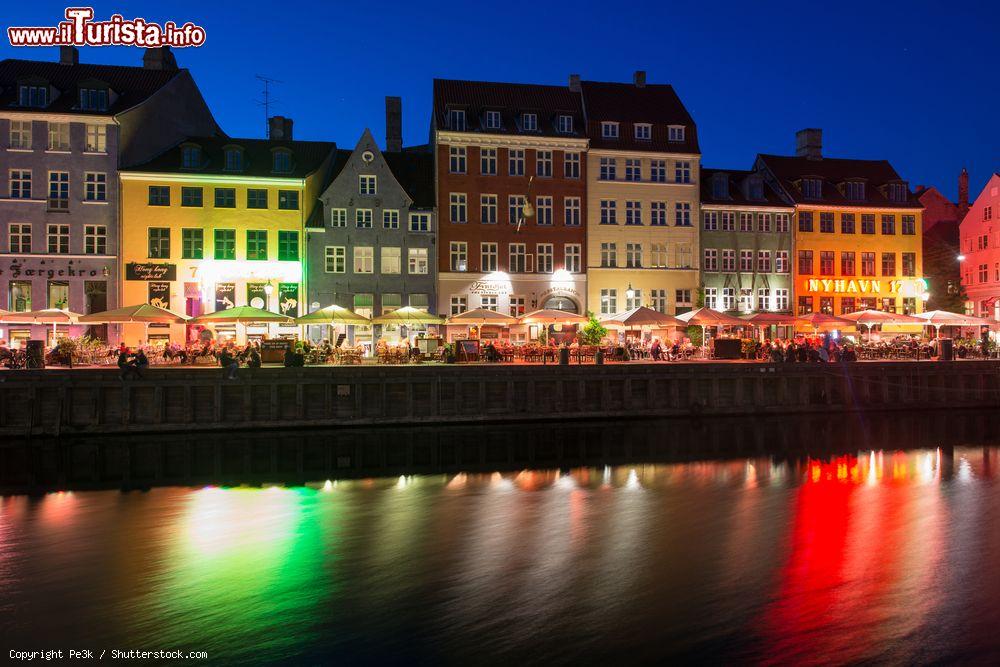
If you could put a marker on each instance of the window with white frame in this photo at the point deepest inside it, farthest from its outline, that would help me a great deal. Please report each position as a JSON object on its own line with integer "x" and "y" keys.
{"x": 391, "y": 260}
{"x": 517, "y": 258}
{"x": 544, "y": 258}
{"x": 391, "y": 301}
{"x": 459, "y": 256}
{"x": 19, "y": 237}
{"x": 338, "y": 217}
{"x": 420, "y": 300}
{"x": 364, "y": 259}
{"x": 682, "y": 214}
{"x": 682, "y": 298}
{"x": 95, "y": 186}
{"x": 515, "y": 162}
{"x": 633, "y": 212}
{"x": 20, "y": 134}
{"x": 633, "y": 170}
{"x": 458, "y": 209}
{"x": 855, "y": 190}
{"x": 711, "y": 221}
{"x": 58, "y": 239}
{"x": 633, "y": 301}
{"x": 335, "y": 257}
{"x": 390, "y": 219}
{"x": 456, "y": 160}
{"x": 367, "y": 184}
{"x": 58, "y": 190}
{"x": 746, "y": 299}
{"x": 746, "y": 222}
{"x": 675, "y": 133}
{"x": 609, "y": 301}
{"x": 781, "y": 299}
{"x": 515, "y": 208}
{"x": 493, "y": 120}
{"x": 781, "y": 261}
{"x": 529, "y": 122}
{"x": 609, "y": 255}
{"x": 609, "y": 212}
{"x": 728, "y": 221}
{"x": 763, "y": 222}
{"x": 658, "y": 171}
{"x": 543, "y": 163}
{"x": 58, "y": 136}
{"x": 729, "y": 260}
{"x": 763, "y": 261}
{"x": 420, "y": 222}
{"x": 363, "y": 218}
{"x": 711, "y": 259}
{"x": 812, "y": 188}
{"x": 684, "y": 255}
{"x": 488, "y": 161}
{"x": 658, "y": 300}
{"x": 633, "y": 255}
{"x": 459, "y": 304}
{"x": 609, "y": 129}
{"x": 658, "y": 213}
{"x": 489, "y": 257}
{"x": 517, "y": 306}
{"x": 489, "y": 302}
{"x": 712, "y": 298}
{"x": 417, "y": 261}
{"x": 543, "y": 210}
{"x": 682, "y": 171}
{"x": 763, "y": 298}
{"x": 571, "y": 165}
{"x": 456, "y": 120}
{"x": 729, "y": 298}
{"x": 573, "y": 257}
{"x": 658, "y": 255}
{"x": 782, "y": 222}
{"x": 643, "y": 131}
{"x": 571, "y": 211}
{"x": 488, "y": 209}
{"x": 565, "y": 124}
{"x": 746, "y": 261}
{"x": 97, "y": 139}
{"x": 608, "y": 169}
{"x": 20, "y": 184}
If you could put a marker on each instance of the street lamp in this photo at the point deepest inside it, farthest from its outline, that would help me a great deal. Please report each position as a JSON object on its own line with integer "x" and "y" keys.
{"x": 629, "y": 292}
{"x": 961, "y": 258}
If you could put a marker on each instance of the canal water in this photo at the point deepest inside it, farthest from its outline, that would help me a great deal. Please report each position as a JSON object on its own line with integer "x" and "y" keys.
{"x": 852, "y": 554}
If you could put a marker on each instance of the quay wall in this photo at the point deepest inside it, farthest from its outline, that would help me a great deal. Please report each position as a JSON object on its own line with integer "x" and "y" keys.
{"x": 95, "y": 401}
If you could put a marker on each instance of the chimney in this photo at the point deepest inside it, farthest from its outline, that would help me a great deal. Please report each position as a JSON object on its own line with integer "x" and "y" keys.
{"x": 69, "y": 55}
{"x": 279, "y": 128}
{"x": 159, "y": 58}
{"x": 639, "y": 78}
{"x": 963, "y": 194}
{"x": 574, "y": 83}
{"x": 393, "y": 124}
{"x": 809, "y": 143}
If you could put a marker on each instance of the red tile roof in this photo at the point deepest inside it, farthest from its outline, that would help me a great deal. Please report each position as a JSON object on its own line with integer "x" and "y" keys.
{"x": 511, "y": 100}
{"x": 834, "y": 172}
{"x": 737, "y": 191}
{"x": 626, "y": 103}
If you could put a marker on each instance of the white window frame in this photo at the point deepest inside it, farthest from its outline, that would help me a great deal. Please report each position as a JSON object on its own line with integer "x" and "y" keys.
{"x": 609, "y": 129}
{"x": 335, "y": 256}
{"x": 643, "y": 131}
{"x": 364, "y": 260}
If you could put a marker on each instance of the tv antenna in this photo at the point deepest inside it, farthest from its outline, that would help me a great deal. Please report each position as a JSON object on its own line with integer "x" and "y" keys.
{"x": 267, "y": 102}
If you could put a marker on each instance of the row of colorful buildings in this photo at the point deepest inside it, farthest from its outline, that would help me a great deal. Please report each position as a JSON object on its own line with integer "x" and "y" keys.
{"x": 121, "y": 189}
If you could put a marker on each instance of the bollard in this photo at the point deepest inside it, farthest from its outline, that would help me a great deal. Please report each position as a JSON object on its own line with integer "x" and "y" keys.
{"x": 564, "y": 356}
{"x": 599, "y": 358}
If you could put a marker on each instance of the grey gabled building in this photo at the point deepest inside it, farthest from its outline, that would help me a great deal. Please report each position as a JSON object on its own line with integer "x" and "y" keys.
{"x": 65, "y": 130}
{"x": 371, "y": 245}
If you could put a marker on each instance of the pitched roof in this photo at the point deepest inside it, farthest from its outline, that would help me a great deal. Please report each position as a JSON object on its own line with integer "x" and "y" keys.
{"x": 129, "y": 85}
{"x": 307, "y": 157}
{"x": 511, "y": 100}
{"x": 626, "y": 103}
{"x": 738, "y": 192}
{"x": 413, "y": 167}
{"x": 834, "y": 172}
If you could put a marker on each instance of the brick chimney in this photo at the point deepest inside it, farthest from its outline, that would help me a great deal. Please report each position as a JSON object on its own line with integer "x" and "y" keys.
{"x": 809, "y": 143}
{"x": 574, "y": 83}
{"x": 639, "y": 78}
{"x": 159, "y": 58}
{"x": 393, "y": 124}
{"x": 279, "y": 128}
{"x": 69, "y": 55}
{"x": 963, "y": 194}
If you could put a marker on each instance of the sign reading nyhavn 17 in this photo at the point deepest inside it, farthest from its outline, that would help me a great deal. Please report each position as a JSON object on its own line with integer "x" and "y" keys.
{"x": 137, "y": 271}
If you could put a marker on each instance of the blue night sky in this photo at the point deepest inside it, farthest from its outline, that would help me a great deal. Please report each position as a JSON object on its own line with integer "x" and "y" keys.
{"x": 912, "y": 82}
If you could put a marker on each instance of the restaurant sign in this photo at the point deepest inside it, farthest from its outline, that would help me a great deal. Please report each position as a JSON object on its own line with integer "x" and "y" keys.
{"x": 852, "y": 286}
{"x": 490, "y": 287}
{"x": 150, "y": 271}
{"x": 159, "y": 295}
{"x": 288, "y": 299}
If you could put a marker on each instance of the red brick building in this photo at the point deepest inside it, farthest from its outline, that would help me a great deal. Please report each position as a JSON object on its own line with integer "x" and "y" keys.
{"x": 942, "y": 268}
{"x": 497, "y": 147}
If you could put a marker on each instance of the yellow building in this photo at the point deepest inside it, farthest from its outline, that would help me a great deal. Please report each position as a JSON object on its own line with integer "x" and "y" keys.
{"x": 857, "y": 232}
{"x": 215, "y": 223}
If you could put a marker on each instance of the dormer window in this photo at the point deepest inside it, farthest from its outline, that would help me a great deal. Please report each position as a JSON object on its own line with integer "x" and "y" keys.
{"x": 609, "y": 129}
{"x": 492, "y": 120}
{"x": 756, "y": 188}
{"x": 720, "y": 186}
{"x": 94, "y": 99}
{"x": 898, "y": 192}
{"x": 812, "y": 188}
{"x": 565, "y": 124}
{"x": 676, "y": 133}
{"x": 281, "y": 162}
{"x": 456, "y": 119}
{"x": 234, "y": 159}
{"x": 191, "y": 157}
{"x": 529, "y": 122}
{"x": 855, "y": 190}
{"x": 33, "y": 96}
{"x": 643, "y": 131}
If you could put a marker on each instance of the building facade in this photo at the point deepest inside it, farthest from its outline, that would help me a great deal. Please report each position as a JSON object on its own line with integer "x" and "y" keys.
{"x": 746, "y": 243}
{"x": 942, "y": 267}
{"x": 373, "y": 248}
{"x": 65, "y": 128}
{"x": 214, "y": 223}
{"x": 511, "y": 176}
{"x": 857, "y": 231}
{"x": 980, "y": 243}
{"x": 642, "y": 198}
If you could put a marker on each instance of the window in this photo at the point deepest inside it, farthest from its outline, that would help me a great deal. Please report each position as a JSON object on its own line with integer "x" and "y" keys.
{"x": 256, "y": 244}
{"x": 420, "y": 222}
{"x": 608, "y": 169}
{"x": 565, "y": 124}
{"x": 643, "y": 131}
{"x": 456, "y": 119}
{"x": 33, "y": 96}
{"x": 20, "y": 237}
{"x": 781, "y": 261}
{"x": 391, "y": 260}
{"x": 889, "y": 304}
{"x": 190, "y": 156}
{"x": 192, "y": 244}
{"x": 746, "y": 299}
{"x": 728, "y": 260}
{"x": 489, "y": 257}
{"x": 847, "y": 263}
{"x": 856, "y": 190}
{"x": 94, "y": 99}
{"x": 658, "y": 300}
{"x": 826, "y": 305}
{"x": 658, "y": 213}
{"x": 868, "y": 264}
{"x": 682, "y": 214}
{"x": 983, "y": 271}
{"x": 234, "y": 159}
{"x": 781, "y": 299}
{"x": 518, "y": 259}
{"x": 493, "y": 120}
{"x": 489, "y": 302}
{"x": 684, "y": 255}
{"x": 573, "y": 257}
{"x": 763, "y": 299}
{"x": 987, "y": 210}
{"x": 908, "y": 225}
{"x": 390, "y": 219}
{"x": 58, "y": 294}
{"x": 781, "y": 223}
{"x": 826, "y": 259}
{"x": 676, "y": 133}
{"x": 806, "y": 262}
{"x": 20, "y": 134}
{"x": 746, "y": 261}
{"x": 764, "y": 261}
{"x": 20, "y": 296}
{"x": 711, "y": 259}
{"x": 682, "y": 299}
{"x": 281, "y": 162}
{"x": 58, "y": 239}
{"x": 458, "y": 209}
{"x": 633, "y": 213}
{"x": 763, "y": 222}
{"x": 288, "y": 200}
{"x": 805, "y": 221}
{"x": 888, "y": 225}
{"x": 805, "y": 305}
{"x": 256, "y": 198}
{"x": 515, "y": 162}
{"x": 336, "y": 259}
{"x": 712, "y": 298}
{"x": 225, "y": 244}
{"x": 682, "y": 172}
{"x": 826, "y": 223}
{"x": 363, "y": 218}
{"x": 364, "y": 259}
{"x": 571, "y": 211}
{"x": 658, "y": 171}
{"x": 529, "y": 122}
{"x": 515, "y": 208}
{"x": 159, "y": 243}
{"x": 634, "y": 301}
{"x": 609, "y": 130}
{"x": 609, "y": 212}
{"x": 59, "y": 190}
{"x": 417, "y": 261}
{"x": 867, "y": 223}
{"x": 338, "y": 217}
{"x": 609, "y": 255}
{"x": 544, "y": 258}
{"x": 517, "y": 306}
{"x": 97, "y": 141}
{"x": 95, "y": 186}
{"x": 191, "y": 196}
{"x": 711, "y": 221}
{"x": 543, "y": 163}
{"x": 58, "y": 136}
{"x": 571, "y": 165}
{"x": 459, "y": 304}
{"x": 812, "y": 188}
{"x": 456, "y": 160}
{"x": 909, "y": 264}
{"x": 746, "y": 222}
{"x": 488, "y": 161}
{"x": 633, "y": 255}
{"x": 543, "y": 211}
{"x": 225, "y": 197}
{"x": 633, "y": 170}
{"x": 898, "y": 191}
{"x": 609, "y": 301}
{"x": 459, "y": 256}
{"x": 888, "y": 264}
{"x": 847, "y": 223}
{"x": 728, "y": 221}
{"x": 368, "y": 183}
{"x": 159, "y": 195}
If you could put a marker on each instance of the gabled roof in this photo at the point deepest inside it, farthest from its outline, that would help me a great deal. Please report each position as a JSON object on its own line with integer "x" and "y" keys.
{"x": 131, "y": 85}
{"x": 626, "y": 103}
{"x": 834, "y": 172}
{"x": 414, "y": 169}
{"x": 511, "y": 100}
{"x": 307, "y": 157}
{"x": 737, "y": 191}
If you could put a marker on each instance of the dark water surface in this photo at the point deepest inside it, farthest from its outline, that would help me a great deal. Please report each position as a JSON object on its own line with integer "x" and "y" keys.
{"x": 880, "y": 543}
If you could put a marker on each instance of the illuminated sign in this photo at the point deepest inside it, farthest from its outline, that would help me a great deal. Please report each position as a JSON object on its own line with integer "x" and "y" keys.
{"x": 150, "y": 271}
{"x": 490, "y": 287}
{"x": 908, "y": 287}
